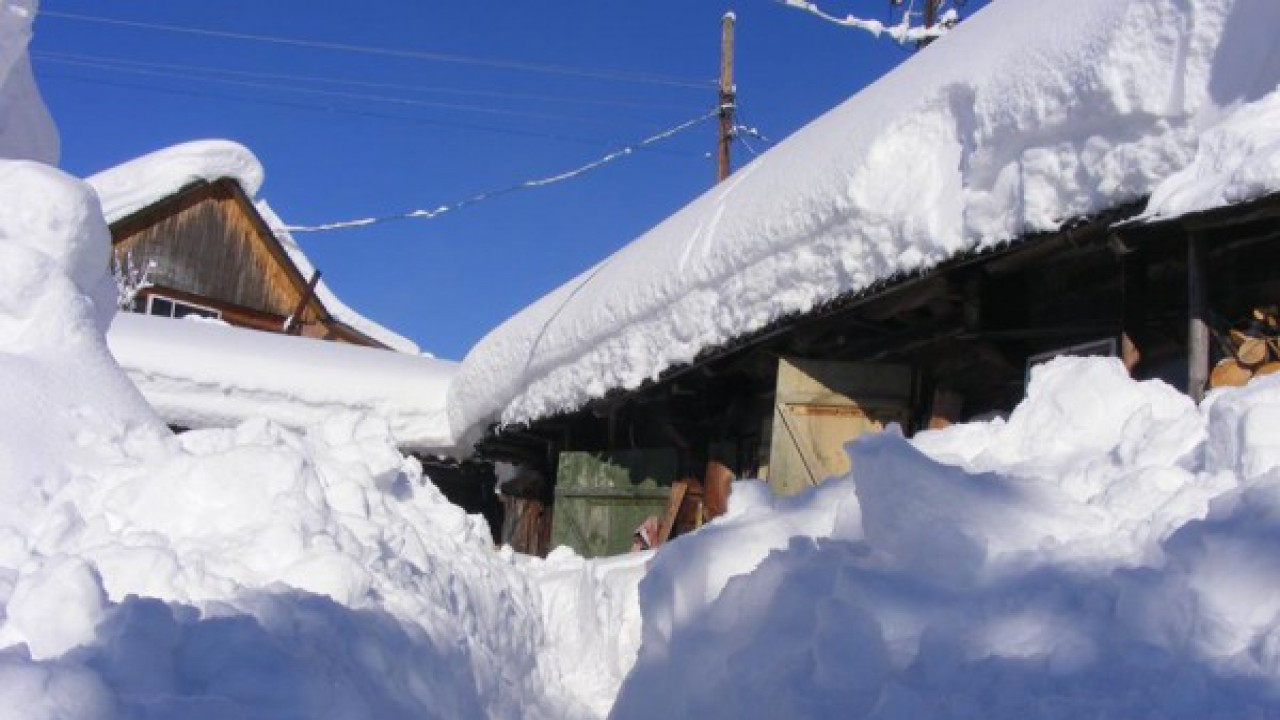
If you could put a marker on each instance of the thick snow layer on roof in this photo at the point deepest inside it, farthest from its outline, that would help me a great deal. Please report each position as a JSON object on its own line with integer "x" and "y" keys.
{"x": 199, "y": 374}
{"x": 1106, "y": 552}
{"x": 26, "y": 130}
{"x": 1026, "y": 116}
{"x": 1237, "y": 159}
{"x": 129, "y": 187}
{"x": 336, "y": 307}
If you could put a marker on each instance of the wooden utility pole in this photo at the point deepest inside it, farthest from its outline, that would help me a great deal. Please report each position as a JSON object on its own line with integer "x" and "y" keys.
{"x": 728, "y": 96}
{"x": 931, "y": 12}
{"x": 930, "y": 19}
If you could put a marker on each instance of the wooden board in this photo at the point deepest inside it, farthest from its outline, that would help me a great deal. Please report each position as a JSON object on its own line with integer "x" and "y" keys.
{"x": 601, "y": 498}
{"x": 823, "y": 405}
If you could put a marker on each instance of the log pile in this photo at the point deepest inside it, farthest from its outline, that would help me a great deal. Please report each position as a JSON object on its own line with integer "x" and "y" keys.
{"x": 1251, "y": 352}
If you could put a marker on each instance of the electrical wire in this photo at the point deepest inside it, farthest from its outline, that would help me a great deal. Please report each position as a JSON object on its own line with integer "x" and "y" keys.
{"x": 492, "y": 194}
{"x": 615, "y": 76}
{"x": 363, "y": 97}
{"x": 288, "y": 77}
{"x": 332, "y": 109}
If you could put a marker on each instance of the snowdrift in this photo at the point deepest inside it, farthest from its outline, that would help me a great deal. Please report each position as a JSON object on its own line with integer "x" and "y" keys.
{"x": 1027, "y": 116}
{"x": 1107, "y": 552}
{"x": 252, "y": 572}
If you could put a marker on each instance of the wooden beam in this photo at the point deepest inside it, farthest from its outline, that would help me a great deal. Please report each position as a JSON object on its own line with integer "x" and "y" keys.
{"x": 1197, "y": 318}
{"x": 294, "y": 325}
{"x": 674, "y": 500}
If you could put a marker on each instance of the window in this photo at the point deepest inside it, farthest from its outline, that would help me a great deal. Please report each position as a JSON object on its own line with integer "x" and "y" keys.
{"x": 168, "y": 307}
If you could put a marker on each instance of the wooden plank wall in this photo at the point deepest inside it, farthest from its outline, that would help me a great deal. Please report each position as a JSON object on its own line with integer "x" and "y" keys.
{"x": 207, "y": 246}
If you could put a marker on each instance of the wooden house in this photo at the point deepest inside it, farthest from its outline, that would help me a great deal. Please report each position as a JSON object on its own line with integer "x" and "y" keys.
{"x": 190, "y": 237}
{"x": 206, "y": 250}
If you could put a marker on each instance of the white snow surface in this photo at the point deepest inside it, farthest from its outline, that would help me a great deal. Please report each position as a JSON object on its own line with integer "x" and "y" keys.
{"x": 144, "y": 181}
{"x": 26, "y": 130}
{"x": 139, "y": 183}
{"x": 1026, "y": 116}
{"x": 209, "y": 375}
{"x": 1109, "y": 551}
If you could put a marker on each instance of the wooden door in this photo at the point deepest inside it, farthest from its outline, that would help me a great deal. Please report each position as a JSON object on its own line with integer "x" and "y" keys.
{"x": 821, "y": 405}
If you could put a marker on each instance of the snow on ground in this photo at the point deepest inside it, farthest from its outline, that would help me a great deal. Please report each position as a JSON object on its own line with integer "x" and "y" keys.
{"x": 198, "y": 374}
{"x": 139, "y": 183}
{"x": 1109, "y": 551}
{"x": 1028, "y": 115}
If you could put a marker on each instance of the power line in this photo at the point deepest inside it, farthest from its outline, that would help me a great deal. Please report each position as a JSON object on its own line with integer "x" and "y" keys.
{"x": 492, "y": 194}
{"x": 186, "y": 69}
{"x": 616, "y": 76}
{"x": 331, "y": 109}
{"x": 324, "y": 93}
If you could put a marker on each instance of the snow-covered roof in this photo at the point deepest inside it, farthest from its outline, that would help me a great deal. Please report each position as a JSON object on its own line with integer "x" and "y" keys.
{"x": 200, "y": 374}
{"x": 142, "y": 182}
{"x": 145, "y": 181}
{"x": 1028, "y": 115}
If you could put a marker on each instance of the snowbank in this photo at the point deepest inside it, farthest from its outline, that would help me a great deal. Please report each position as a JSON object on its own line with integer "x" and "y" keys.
{"x": 60, "y": 387}
{"x": 26, "y": 130}
{"x": 251, "y": 572}
{"x": 1026, "y": 116}
{"x": 1107, "y": 552}
{"x": 206, "y": 375}
{"x": 142, "y": 182}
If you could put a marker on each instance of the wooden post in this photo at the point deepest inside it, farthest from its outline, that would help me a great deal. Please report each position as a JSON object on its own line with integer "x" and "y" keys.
{"x": 294, "y": 326}
{"x": 728, "y": 97}
{"x": 674, "y": 501}
{"x": 1198, "y": 318}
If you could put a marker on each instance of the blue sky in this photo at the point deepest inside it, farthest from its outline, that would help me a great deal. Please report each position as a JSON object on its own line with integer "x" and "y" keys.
{"x": 514, "y": 103}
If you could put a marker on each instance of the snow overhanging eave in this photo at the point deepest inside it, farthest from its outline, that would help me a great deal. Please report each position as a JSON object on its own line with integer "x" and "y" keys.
{"x": 1080, "y": 231}
{"x": 1260, "y": 208}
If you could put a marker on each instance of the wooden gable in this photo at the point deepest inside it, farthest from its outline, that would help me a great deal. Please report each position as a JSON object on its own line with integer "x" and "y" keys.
{"x": 207, "y": 245}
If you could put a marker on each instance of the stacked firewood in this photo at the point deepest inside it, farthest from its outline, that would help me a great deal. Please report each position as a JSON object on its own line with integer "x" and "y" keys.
{"x": 1251, "y": 352}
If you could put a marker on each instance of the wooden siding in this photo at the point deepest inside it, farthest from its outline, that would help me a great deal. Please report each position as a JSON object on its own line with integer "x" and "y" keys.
{"x": 208, "y": 242}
